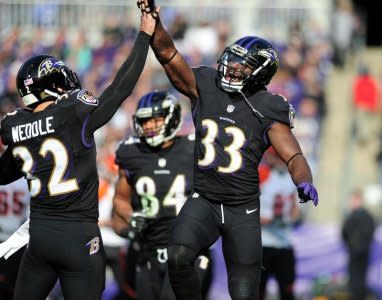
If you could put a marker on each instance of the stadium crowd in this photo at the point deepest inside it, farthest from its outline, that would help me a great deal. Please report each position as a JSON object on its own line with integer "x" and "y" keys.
{"x": 305, "y": 60}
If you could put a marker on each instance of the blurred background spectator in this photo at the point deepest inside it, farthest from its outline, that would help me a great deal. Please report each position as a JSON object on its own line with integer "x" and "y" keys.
{"x": 357, "y": 234}
{"x": 14, "y": 210}
{"x": 279, "y": 213}
{"x": 342, "y": 33}
{"x": 367, "y": 105}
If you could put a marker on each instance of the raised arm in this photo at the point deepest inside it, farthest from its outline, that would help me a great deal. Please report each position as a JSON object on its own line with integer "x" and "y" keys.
{"x": 178, "y": 71}
{"x": 287, "y": 147}
{"x": 127, "y": 76}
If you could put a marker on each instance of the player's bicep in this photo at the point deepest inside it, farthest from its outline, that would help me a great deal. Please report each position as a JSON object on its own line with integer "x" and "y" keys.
{"x": 283, "y": 141}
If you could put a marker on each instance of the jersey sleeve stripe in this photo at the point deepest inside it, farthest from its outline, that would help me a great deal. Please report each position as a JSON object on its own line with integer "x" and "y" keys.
{"x": 83, "y": 136}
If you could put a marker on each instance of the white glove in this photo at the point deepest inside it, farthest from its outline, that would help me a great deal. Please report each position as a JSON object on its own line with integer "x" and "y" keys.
{"x": 16, "y": 241}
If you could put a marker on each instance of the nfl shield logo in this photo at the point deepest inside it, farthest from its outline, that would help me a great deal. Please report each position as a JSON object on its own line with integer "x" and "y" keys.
{"x": 162, "y": 162}
{"x": 230, "y": 108}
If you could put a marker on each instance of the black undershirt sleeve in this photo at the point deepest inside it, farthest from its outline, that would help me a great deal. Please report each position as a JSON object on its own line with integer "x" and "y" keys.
{"x": 9, "y": 172}
{"x": 122, "y": 85}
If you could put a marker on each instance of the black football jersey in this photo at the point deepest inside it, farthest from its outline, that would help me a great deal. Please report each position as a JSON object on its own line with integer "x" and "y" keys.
{"x": 161, "y": 181}
{"x": 231, "y": 139}
{"x": 58, "y": 160}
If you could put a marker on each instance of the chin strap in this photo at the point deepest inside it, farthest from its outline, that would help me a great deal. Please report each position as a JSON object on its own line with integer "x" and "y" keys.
{"x": 258, "y": 114}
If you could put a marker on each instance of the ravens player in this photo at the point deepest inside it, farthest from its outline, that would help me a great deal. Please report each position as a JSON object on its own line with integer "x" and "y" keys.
{"x": 51, "y": 143}
{"x": 236, "y": 119}
{"x": 155, "y": 179}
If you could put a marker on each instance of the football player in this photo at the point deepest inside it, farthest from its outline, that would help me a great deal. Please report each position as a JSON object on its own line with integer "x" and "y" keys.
{"x": 155, "y": 179}
{"x": 14, "y": 210}
{"x": 51, "y": 143}
{"x": 236, "y": 119}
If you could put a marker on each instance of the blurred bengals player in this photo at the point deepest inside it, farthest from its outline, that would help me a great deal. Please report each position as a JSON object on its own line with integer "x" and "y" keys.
{"x": 14, "y": 210}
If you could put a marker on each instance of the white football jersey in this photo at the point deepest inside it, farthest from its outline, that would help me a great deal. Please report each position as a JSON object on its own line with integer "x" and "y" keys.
{"x": 278, "y": 194}
{"x": 14, "y": 206}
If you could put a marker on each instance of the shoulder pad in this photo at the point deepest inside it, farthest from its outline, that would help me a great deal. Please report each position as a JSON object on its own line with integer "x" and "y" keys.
{"x": 12, "y": 113}
{"x": 7, "y": 117}
{"x": 204, "y": 71}
{"x": 2, "y": 121}
{"x": 277, "y": 107}
{"x": 125, "y": 150}
{"x": 131, "y": 140}
{"x": 279, "y": 100}
{"x": 5, "y": 124}
{"x": 123, "y": 144}
{"x": 86, "y": 97}
{"x": 203, "y": 67}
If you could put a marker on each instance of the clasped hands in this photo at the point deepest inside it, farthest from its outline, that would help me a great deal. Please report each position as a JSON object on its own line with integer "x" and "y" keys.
{"x": 148, "y": 7}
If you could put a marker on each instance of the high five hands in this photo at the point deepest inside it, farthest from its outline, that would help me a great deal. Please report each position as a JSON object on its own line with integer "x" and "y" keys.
{"x": 149, "y": 15}
{"x": 148, "y": 7}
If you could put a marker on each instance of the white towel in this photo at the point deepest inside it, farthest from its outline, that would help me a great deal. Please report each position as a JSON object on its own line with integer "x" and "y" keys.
{"x": 16, "y": 241}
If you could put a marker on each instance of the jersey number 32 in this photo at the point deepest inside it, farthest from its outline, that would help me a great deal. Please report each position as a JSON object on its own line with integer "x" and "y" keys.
{"x": 56, "y": 184}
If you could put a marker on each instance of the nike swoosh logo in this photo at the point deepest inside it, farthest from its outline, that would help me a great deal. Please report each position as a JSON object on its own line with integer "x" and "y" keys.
{"x": 249, "y": 211}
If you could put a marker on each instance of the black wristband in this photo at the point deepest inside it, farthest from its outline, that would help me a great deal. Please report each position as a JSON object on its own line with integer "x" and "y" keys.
{"x": 292, "y": 157}
{"x": 165, "y": 61}
{"x": 142, "y": 35}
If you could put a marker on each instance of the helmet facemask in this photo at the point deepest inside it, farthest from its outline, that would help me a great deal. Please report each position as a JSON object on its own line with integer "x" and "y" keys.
{"x": 239, "y": 66}
{"x": 234, "y": 72}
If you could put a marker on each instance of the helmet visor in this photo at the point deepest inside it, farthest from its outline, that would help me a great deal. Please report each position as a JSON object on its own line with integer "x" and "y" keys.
{"x": 234, "y": 68}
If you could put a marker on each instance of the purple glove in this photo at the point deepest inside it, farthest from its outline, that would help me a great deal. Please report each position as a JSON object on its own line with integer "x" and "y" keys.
{"x": 306, "y": 192}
